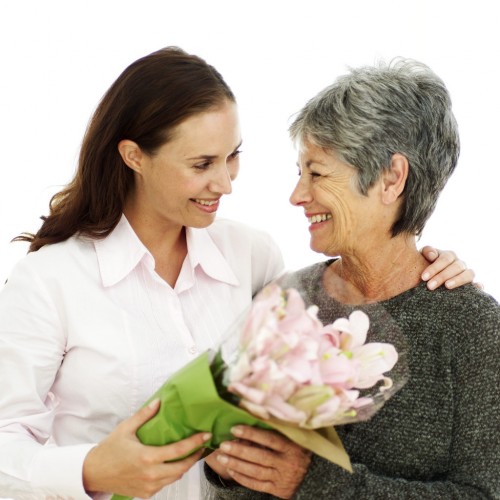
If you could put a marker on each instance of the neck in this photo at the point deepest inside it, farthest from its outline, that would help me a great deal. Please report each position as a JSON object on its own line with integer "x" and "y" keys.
{"x": 376, "y": 274}
{"x": 167, "y": 243}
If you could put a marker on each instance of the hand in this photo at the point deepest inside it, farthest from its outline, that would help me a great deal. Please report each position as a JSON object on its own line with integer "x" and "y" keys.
{"x": 445, "y": 268}
{"x": 213, "y": 462}
{"x": 122, "y": 464}
{"x": 263, "y": 461}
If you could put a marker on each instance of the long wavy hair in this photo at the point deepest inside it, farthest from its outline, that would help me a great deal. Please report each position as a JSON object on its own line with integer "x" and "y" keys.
{"x": 151, "y": 97}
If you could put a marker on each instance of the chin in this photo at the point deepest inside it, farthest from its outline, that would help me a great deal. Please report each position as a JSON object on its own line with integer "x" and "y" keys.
{"x": 201, "y": 224}
{"x": 326, "y": 250}
{"x": 317, "y": 248}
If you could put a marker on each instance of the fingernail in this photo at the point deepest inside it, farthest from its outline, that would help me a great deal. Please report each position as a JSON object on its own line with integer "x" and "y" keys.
{"x": 450, "y": 283}
{"x": 237, "y": 431}
{"x": 207, "y": 436}
{"x": 425, "y": 276}
{"x": 433, "y": 255}
{"x": 225, "y": 446}
{"x": 222, "y": 459}
{"x": 432, "y": 285}
{"x": 154, "y": 403}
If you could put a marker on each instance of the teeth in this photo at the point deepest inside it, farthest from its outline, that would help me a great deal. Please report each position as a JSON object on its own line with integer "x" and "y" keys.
{"x": 205, "y": 202}
{"x": 319, "y": 218}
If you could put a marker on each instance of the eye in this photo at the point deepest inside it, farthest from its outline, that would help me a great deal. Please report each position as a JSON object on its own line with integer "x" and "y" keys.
{"x": 203, "y": 166}
{"x": 314, "y": 174}
{"x": 235, "y": 155}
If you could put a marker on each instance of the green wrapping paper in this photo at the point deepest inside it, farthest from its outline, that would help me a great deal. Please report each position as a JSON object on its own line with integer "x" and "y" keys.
{"x": 190, "y": 403}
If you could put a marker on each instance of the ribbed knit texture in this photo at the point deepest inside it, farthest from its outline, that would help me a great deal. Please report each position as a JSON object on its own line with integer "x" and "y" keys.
{"x": 439, "y": 436}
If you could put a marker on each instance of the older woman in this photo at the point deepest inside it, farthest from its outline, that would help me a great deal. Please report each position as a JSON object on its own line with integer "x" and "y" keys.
{"x": 375, "y": 150}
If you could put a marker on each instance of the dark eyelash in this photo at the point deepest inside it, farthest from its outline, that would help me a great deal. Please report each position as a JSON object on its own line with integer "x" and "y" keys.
{"x": 203, "y": 166}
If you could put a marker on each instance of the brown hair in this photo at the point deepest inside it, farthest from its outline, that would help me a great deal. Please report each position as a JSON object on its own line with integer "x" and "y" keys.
{"x": 152, "y": 96}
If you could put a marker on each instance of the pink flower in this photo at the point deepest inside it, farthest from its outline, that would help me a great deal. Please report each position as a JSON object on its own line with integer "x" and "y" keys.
{"x": 295, "y": 369}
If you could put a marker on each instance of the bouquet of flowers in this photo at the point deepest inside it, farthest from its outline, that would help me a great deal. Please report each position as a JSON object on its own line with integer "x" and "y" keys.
{"x": 289, "y": 372}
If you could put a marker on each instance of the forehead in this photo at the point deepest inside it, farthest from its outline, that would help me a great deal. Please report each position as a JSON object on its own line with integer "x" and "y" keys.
{"x": 209, "y": 124}
{"x": 309, "y": 153}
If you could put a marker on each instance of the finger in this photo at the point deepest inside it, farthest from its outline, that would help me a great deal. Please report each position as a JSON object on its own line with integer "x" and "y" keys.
{"x": 251, "y": 483}
{"x": 139, "y": 418}
{"x": 180, "y": 466}
{"x": 456, "y": 274}
{"x": 430, "y": 253}
{"x": 443, "y": 260}
{"x": 463, "y": 278}
{"x": 183, "y": 448}
{"x": 215, "y": 465}
{"x": 250, "y": 453}
{"x": 157, "y": 476}
{"x": 262, "y": 437}
{"x": 242, "y": 466}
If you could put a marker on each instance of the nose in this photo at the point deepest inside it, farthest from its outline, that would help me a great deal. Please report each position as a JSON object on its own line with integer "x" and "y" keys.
{"x": 301, "y": 194}
{"x": 221, "y": 183}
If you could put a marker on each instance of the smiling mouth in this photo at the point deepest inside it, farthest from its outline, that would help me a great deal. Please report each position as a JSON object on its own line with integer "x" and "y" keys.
{"x": 315, "y": 219}
{"x": 207, "y": 203}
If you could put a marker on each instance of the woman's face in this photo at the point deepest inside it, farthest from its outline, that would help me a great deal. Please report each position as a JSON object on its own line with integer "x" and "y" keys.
{"x": 183, "y": 182}
{"x": 341, "y": 218}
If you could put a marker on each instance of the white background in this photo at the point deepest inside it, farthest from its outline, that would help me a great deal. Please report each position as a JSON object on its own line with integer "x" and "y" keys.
{"x": 58, "y": 57}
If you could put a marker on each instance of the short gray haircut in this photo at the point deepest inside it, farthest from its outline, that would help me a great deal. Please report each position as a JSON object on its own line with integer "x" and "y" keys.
{"x": 371, "y": 113}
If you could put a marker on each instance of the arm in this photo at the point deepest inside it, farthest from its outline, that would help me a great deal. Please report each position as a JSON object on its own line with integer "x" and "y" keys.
{"x": 474, "y": 456}
{"x": 32, "y": 347}
{"x": 445, "y": 268}
{"x": 33, "y": 350}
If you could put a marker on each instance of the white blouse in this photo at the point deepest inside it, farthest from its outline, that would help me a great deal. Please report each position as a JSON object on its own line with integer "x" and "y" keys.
{"x": 88, "y": 331}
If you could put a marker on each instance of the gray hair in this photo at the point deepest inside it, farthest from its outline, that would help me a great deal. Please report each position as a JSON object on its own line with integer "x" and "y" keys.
{"x": 372, "y": 113}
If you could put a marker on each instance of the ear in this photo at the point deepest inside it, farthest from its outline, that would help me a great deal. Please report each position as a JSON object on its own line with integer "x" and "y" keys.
{"x": 394, "y": 178}
{"x": 131, "y": 154}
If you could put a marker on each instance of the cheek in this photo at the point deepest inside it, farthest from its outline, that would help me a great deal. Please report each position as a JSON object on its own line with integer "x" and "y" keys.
{"x": 337, "y": 201}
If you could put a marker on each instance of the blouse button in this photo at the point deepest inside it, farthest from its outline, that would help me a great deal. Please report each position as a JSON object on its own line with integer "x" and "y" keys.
{"x": 193, "y": 350}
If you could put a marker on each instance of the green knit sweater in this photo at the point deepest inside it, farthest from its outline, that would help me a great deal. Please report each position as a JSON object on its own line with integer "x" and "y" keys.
{"x": 439, "y": 436}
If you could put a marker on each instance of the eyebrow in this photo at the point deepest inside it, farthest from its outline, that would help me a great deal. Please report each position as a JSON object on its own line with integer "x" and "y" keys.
{"x": 212, "y": 157}
{"x": 310, "y": 162}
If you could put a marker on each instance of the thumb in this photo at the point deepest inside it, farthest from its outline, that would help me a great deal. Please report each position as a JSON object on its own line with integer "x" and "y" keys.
{"x": 141, "y": 416}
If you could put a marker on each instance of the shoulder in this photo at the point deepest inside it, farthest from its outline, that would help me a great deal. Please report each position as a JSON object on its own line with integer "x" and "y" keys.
{"x": 57, "y": 259}
{"x": 468, "y": 318}
{"x": 229, "y": 231}
{"x": 461, "y": 303}
{"x": 243, "y": 241}
{"x": 249, "y": 251}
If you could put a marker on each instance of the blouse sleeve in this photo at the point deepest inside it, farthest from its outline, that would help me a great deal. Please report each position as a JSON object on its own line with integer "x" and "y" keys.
{"x": 32, "y": 348}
